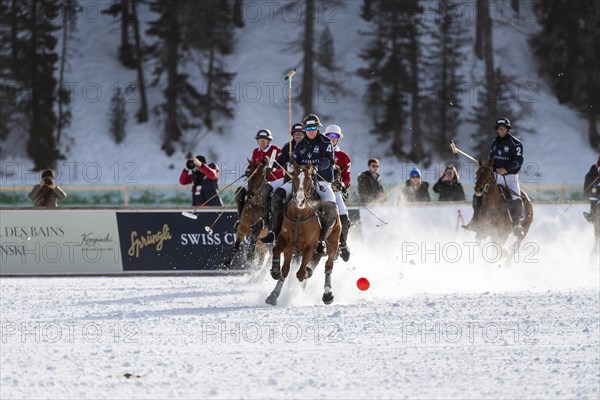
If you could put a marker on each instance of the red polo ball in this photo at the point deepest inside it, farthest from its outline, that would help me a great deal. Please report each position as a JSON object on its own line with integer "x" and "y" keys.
{"x": 363, "y": 284}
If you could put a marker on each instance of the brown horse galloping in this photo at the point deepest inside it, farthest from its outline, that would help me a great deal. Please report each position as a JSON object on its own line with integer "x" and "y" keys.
{"x": 254, "y": 209}
{"x": 494, "y": 219}
{"x": 300, "y": 232}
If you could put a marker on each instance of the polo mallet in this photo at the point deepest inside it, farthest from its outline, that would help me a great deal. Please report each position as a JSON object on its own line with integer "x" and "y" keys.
{"x": 194, "y": 214}
{"x": 370, "y": 212}
{"x": 456, "y": 150}
{"x": 288, "y": 77}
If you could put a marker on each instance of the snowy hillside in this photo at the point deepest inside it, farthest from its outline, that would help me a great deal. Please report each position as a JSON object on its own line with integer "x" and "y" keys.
{"x": 261, "y": 102}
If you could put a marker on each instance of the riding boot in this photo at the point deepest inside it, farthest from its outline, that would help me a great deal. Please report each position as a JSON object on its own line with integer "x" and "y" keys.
{"x": 328, "y": 215}
{"x": 277, "y": 208}
{"x": 240, "y": 200}
{"x": 594, "y": 210}
{"x": 517, "y": 216}
{"x": 472, "y": 225}
{"x": 344, "y": 250}
{"x": 264, "y": 220}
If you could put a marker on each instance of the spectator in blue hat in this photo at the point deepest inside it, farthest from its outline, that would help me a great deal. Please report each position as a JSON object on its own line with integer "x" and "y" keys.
{"x": 415, "y": 189}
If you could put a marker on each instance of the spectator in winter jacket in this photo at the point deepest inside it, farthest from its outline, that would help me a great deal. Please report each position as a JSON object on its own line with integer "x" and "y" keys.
{"x": 46, "y": 193}
{"x": 415, "y": 189}
{"x": 591, "y": 188}
{"x": 369, "y": 183}
{"x": 205, "y": 182}
{"x": 448, "y": 186}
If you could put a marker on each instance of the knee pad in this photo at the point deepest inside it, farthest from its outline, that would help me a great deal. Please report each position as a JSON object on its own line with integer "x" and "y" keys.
{"x": 329, "y": 210}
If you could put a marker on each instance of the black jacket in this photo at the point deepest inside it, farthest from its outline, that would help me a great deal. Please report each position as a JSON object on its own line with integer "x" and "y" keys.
{"x": 449, "y": 190}
{"x": 588, "y": 183}
{"x": 421, "y": 194}
{"x": 369, "y": 187}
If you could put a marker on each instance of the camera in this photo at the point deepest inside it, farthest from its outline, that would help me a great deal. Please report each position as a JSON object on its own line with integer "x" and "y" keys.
{"x": 189, "y": 164}
{"x": 48, "y": 181}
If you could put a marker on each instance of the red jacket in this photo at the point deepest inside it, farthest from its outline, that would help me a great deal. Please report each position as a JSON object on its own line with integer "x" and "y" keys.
{"x": 186, "y": 178}
{"x": 342, "y": 160}
{"x": 260, "y": 156}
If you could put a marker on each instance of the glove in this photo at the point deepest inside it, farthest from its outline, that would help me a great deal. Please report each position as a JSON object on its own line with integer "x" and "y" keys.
{"x": 290, "y": 168}
{"x": 324, "y": 164}
{"x": 337, "y": 186}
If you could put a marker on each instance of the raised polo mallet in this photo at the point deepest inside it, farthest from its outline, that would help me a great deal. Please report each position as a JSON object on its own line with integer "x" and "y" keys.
{"x": 288, "y": 77}
{"x": 456, "y": 150}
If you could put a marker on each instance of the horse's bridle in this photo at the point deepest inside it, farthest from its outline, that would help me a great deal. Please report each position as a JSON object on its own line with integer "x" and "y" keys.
{"x": 488, "y": 185}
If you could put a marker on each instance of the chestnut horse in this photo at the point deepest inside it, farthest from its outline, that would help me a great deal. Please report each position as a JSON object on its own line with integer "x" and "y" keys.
{"x": 300, "y": 232}
{"x": 494, "y": 219}
{"x": 253, "y": 210}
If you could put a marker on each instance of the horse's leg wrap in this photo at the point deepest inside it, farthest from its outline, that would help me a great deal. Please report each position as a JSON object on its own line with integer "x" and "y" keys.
{"x": 272, "y": 299}
{"x": 344, "y": 250}
{"x": 327, "y": 281}
{"x": 240, "y": 200}
{"x": 327, "y": 293}
{"x": 275, "y": 269}
{"x": 277, "y": 206}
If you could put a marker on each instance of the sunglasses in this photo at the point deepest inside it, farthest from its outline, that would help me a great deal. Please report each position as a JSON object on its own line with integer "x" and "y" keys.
{"x": 415, "y": 177}
{"x": 298, "y": 133}
{"x": 314, "y": 128}
{"x": 333, "y": 135}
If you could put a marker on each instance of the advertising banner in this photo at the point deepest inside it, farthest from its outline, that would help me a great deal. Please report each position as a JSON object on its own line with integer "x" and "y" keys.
{"x": 168, "y": 241}
{"x": 59, "y": 241}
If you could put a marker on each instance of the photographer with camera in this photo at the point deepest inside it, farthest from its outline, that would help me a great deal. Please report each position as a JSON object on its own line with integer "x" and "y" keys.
{"x": 46, "y": 193}
{"x": 204, "y": 179}
{"x": 449, "y": 186}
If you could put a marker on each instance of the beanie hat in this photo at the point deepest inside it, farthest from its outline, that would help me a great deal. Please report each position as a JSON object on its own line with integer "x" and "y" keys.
{"x": 415, "y": 171}
{"x": 202, "y": 159}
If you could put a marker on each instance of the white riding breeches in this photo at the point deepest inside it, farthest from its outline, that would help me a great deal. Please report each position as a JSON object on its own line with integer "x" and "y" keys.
{"x": 276, "y": 184}
{"x": 326, "y": 194}
{"x": 511, "y": 182}
{"x": 339, "y": 200}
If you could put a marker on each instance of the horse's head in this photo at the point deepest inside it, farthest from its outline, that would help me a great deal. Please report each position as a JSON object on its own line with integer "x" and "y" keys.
{"x": 257, "y": 176}
{"x": 303, "y": 186}
{"x": 484, "y": 178}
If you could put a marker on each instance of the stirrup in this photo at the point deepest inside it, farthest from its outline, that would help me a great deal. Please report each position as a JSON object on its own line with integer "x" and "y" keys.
{"x": 588, "y": 216}
{"x": 345, "y": 253}
{"x": 269, "y": 238}
{"x": 258, "y": 226}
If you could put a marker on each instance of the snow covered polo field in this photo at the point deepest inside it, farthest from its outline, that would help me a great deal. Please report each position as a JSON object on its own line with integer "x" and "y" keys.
{"x": 444, "y": 317}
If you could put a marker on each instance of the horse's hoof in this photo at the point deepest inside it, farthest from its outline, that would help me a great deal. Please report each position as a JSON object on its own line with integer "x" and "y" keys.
{"x": 328, "y": 298}
{"x": 300, "y": 276}
{"x": 272, "y": 300}
{"x": 276, "y": 274}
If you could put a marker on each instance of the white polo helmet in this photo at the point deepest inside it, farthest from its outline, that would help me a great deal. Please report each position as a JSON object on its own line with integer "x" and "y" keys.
{"x": 334, "y": 129}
